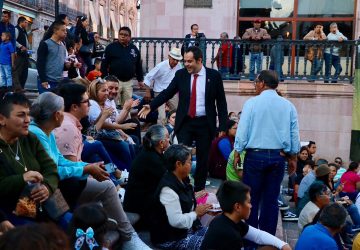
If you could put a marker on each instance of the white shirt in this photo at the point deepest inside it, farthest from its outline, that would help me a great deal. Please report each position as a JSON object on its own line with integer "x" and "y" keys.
{"x": 94, "y": 112}
{"x": 200, "y": 91}
{"x": 307, "y": 214}
{"x": 191, "y": 43}
{"x": 334, "y": 37}
{"x": 161, "y": 76}
{"x": 18, "y": 45}
{"x": 176, "y": 217}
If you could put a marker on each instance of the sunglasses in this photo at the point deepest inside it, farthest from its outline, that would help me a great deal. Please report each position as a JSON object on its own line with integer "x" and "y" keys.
{"x": 7, "y": 94}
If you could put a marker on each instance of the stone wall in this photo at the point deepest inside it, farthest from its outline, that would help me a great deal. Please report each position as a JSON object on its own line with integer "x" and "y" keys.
{"x": 161, "y": 18}
{"x": 324, "y": 110}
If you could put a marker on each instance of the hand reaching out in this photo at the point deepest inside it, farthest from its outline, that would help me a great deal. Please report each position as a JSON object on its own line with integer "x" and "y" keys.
{"x": 144, "y": 111}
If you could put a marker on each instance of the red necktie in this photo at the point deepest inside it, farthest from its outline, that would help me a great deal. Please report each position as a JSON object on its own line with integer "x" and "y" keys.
{"x": 192, "y": 109}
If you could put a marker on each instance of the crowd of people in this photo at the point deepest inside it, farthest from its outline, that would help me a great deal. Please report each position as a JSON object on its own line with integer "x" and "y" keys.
{"x": 74, "y": 52}
{"x": 76, "y": 169}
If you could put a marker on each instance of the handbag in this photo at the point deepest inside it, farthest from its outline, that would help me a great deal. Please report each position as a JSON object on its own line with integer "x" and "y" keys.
{"x": 56, "y": 205}
{"x": 87, "y": 49}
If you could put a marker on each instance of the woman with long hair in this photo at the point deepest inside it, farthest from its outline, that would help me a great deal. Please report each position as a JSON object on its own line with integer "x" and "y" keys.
{"x": 81, "y": 32}
{"x": 120, "y": 147}
{"x": 220, "y": 150}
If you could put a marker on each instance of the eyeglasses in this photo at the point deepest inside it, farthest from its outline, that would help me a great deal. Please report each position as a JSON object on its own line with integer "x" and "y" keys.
{"x": 86, "y": 101}
{"x": 124, "y": 34}
{"x": 338, "y": 162}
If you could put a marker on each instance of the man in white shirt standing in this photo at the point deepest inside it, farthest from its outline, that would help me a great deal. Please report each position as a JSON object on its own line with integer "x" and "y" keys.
{"x": 331, "y": 54}
{"x": 160, "y": 77}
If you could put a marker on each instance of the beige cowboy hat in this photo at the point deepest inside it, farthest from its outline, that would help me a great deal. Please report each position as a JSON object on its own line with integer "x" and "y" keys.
{"x": 176, "y": 54}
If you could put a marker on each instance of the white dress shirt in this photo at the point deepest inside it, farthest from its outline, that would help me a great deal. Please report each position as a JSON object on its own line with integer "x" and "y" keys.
{"x": 176, "y": 217}
{"x": 200, "y": 91}
{"x": 161, "y": 75}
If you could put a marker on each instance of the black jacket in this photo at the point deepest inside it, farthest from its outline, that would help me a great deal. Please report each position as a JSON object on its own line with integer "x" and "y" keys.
{"x": 145, "y": 174}
{"x": 22, "y": 38}
{"x": 122, "y": 61}
{"x": 161, "y": 231}
{"x": 215, "y": 101}
{"x": 84, "y": 35}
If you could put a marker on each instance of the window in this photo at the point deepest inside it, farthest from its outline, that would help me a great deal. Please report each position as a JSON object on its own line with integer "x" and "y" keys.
{"x": 326, "y": 8}
{"x": 198, "y": 3}
{"x": 266, "y": 8}
{"x": 293, "y": 19}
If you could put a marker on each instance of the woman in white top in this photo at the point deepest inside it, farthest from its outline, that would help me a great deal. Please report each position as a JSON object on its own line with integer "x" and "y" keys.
{"x": 120, "y": 146}
{"x": 175, "y": 223}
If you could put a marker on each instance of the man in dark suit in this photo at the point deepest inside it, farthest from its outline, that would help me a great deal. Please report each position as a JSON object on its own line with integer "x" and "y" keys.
{"x": 201, "y": 98}
{"x": 195, "y": 39}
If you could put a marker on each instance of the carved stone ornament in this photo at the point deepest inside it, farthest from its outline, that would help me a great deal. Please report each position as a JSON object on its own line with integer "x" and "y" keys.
{"x": 131, "y": 14}
{"x": 122, "y": 9}
{"x": 113, "y": 5}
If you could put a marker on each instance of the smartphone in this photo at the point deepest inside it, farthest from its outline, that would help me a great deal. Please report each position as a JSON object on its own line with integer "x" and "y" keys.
{"x": 110, "y": 168}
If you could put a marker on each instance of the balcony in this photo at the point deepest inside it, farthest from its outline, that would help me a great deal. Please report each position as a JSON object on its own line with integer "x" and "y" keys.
{"x": 287, "y": 57}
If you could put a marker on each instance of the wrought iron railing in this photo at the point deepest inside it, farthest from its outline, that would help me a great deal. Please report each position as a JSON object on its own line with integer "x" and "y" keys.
{"x": 290, "y": 58}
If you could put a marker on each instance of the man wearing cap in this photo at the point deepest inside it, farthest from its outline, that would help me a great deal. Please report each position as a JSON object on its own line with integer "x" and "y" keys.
{"x": 269, "y": 133}
{"x": 160, "y": 77}
{"x": 320, "y": 171}
{"x": 255, "y": 34}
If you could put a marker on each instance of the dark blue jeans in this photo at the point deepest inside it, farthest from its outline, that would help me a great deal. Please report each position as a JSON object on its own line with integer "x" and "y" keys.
{"x": 264, "y": 172}
{"x": 316, "y": 67}
{"x": 332, "y": 60}
{"x": 53, "y": 86}
{"x": 354, "y": 214}
{"x": 255, "y": 61}
{"x": 121, "y": 153}
{"x": 94, "y": 152}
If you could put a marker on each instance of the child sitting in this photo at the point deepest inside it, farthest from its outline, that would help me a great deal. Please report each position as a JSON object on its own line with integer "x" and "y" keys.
{"x": 89, "y": 227}
{"x": 92, "y": 75}
{"x": 228, "y": 230}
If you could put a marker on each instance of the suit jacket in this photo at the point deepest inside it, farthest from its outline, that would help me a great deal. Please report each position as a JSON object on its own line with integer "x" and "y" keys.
{"x": 215, "y": 101}
{"x": 198, "y": 42}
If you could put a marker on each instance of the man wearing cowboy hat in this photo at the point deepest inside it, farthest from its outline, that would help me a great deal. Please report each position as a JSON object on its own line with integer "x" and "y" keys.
{"x": 159, "y": 79}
